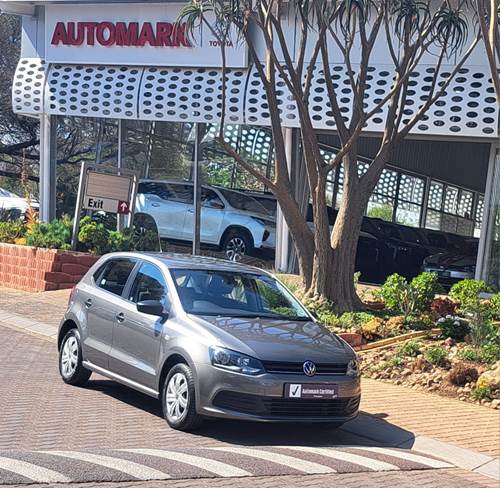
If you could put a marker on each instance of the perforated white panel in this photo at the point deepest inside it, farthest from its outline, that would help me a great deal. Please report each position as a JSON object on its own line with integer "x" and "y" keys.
{"x": 96, "y": 91}
{"x": 181, "y": 94}
{"x": 191, "y": 95}
{"x": 28, "y": 86}
{"x": 468, "y": 107}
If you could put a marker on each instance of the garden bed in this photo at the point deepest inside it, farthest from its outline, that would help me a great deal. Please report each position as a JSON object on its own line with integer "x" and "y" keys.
{"x": 37, "y": 269}
{"x": 440, "y": 366}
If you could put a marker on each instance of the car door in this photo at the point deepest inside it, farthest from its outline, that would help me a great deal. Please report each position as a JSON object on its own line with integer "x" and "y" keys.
{"x": 136, "y": 335}
{"x": 212, "y": 216}
{"x": 167, "y": 203}
{"x": 101, "y": 304}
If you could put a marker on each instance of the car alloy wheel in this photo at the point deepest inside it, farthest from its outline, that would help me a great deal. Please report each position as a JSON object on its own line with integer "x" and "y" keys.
{"x": 177, "y": 397}
{"x": 236, "y": 248}
{"x": 69, "y": 357}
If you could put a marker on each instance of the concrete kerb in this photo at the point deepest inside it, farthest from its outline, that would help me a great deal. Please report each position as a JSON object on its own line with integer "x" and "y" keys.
{"x": 365, "y": 426}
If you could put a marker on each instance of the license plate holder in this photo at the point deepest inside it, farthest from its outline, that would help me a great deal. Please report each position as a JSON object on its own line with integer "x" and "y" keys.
{"x": 311, "y": 391}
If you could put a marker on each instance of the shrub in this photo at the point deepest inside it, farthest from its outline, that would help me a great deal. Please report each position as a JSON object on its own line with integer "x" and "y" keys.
{"x": 328, "y": 318}
{"x": 53, "y": 235}
{"x": 467, "y": 292}
{"x": 461, "y": 373}
{"x": 495, "y": 306}
{"x": 441, "y": 307}
{"x": 426, "y": 286}
{"x": 436, "y": 355}
{"x": 410, "y": 298}
{"x": 482, "y": 331}
{"x": 354, "y": 320}
{"x": 396, "y": 361}
{"x": 419, "y": 322}
{"x": 11, "y": 230}
{"x": 410, "y": 348}
{"x": 481, "y": 393}
{"x": 93, "y": 235}
{"x": 468, "y": 354}
{"x": 489, "y": 353}
{"x": 454, "y": 327}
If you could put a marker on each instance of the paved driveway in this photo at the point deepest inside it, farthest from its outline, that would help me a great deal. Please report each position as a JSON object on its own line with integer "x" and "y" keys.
{"x": 54, "y": 433}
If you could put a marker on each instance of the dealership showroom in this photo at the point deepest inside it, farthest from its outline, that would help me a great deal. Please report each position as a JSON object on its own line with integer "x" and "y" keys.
{"x": 147, "y": 100}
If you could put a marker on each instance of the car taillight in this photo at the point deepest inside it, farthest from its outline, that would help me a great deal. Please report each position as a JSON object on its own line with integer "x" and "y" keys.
{"x": 71, "y": 295}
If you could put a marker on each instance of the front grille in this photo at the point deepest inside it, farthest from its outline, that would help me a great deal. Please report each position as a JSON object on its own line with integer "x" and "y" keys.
{"x": 285, "y": 407}
{"x": 279, "y": 367}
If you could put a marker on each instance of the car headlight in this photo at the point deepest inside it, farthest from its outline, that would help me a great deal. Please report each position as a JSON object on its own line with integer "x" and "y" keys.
{"x": 235, "y": 361}
{"x": 352, "y": 368}
{"x": 264, "y": 222}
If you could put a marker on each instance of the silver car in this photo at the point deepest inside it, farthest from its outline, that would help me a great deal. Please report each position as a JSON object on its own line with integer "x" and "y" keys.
{"x": 209, "y": 338}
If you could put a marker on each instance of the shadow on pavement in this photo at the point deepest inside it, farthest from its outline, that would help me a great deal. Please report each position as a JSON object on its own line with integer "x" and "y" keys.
{"x": 365, "y": 430}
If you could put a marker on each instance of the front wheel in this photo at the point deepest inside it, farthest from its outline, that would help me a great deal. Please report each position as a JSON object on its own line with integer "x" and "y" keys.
{"x": 178, "y": 399}
{"x": 70, "y": 360}
{"x": 236, "y": 245}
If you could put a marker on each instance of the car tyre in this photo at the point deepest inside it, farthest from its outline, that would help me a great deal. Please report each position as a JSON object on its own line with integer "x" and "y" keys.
{"x": 179, "y": 400}
{"x": 71, "y": 366}
{"x": 236, "y": 244}
{"x": 143, "y": 224}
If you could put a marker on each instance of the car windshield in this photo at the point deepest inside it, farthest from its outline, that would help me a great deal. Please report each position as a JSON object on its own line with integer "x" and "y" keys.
{"x": 244, "y": 202}
{"x": 235, "y": 294}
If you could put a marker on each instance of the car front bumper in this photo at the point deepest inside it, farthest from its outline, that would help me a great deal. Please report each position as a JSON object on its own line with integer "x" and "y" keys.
{"x": 262, "y": 398}
{"x": 449, "y": 277}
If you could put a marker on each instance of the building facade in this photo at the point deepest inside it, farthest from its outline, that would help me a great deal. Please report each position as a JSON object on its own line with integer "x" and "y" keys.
{"x": 138, "y": 85}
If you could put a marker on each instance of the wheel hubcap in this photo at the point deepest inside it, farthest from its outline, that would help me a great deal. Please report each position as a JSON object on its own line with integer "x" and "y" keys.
{"x": 69, "y": 357}
{"x": 236, "y": 249}
{"x": 177, "y": 397}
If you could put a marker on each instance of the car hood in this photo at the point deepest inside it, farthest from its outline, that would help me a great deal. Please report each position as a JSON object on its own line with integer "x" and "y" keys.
{"x": 277, "y": 340}
{"x": 450, "y": 259}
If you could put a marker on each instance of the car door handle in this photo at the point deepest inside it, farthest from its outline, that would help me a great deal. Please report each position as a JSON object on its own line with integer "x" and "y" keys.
{"x": 88, "y": 302}
{"x": 120, "y": 317}
{"x": 155, "y": 204}
{"x": 190, "y": 210}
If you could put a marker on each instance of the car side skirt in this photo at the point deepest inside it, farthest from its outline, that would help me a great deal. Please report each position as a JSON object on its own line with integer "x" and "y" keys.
{"x": 121, "y": 379}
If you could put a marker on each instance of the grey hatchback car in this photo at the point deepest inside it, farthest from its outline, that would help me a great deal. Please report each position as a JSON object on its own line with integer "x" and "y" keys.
{"x": 209, "y": 338}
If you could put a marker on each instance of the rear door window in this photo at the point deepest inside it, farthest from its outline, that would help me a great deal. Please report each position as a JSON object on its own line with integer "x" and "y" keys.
{"x": 115, "y": 275}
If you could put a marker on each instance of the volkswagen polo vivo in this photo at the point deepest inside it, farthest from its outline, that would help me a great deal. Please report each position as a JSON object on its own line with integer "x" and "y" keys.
{"x": 209, "y": 338}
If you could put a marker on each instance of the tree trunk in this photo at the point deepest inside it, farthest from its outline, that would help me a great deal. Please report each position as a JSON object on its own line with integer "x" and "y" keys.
{"x": 335, "y": 253}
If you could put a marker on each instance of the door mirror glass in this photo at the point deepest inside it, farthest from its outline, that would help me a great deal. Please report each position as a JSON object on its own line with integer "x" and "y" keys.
{"x": 152, "y": 307}
{"x": 217, "y": 204}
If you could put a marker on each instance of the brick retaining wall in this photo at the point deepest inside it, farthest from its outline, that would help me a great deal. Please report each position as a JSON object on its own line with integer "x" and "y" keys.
{"x": 36, "y": 269}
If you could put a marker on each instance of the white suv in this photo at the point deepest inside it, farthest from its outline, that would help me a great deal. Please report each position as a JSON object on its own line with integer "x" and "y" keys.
{"x": 231, "y": 220}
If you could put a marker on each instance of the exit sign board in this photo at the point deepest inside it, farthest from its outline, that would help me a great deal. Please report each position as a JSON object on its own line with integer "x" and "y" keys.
{"x": 107, "y": 192}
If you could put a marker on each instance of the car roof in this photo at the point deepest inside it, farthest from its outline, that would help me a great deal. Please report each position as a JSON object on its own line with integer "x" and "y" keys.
{"x": 186, "y": 261}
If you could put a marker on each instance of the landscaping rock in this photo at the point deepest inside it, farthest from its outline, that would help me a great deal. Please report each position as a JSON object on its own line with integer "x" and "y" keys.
{"x": 492, "y": 377}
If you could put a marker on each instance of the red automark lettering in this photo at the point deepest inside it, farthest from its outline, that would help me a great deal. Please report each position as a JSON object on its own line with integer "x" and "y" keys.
{"x": 120, "y": 34}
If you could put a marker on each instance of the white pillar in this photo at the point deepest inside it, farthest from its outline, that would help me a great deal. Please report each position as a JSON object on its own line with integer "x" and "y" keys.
{"x": 47, "y": 184}
{"x": 490, "y": 195}
{"x": 282, "y": 230}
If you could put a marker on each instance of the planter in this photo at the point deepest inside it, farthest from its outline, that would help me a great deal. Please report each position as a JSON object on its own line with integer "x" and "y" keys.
{"x": 36, "y": 269}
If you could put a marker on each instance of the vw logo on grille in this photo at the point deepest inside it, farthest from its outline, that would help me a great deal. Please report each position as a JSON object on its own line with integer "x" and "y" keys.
{"x": 309, "y": 368}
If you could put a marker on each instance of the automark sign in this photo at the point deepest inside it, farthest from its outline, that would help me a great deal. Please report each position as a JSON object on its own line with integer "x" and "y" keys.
{"x": 131, "y": 34}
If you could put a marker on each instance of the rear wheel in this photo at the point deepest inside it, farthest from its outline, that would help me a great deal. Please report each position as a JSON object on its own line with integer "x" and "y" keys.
{"x": 70, "y": 360}
{"x": 146, "y": 233}
{"x": 237, "y": 244}
{"x": 178, "y": 399}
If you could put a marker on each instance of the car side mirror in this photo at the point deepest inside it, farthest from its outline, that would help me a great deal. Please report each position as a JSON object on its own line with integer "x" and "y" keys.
{"x": 152, "y": 307}
{"x": 214, "y": 204}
